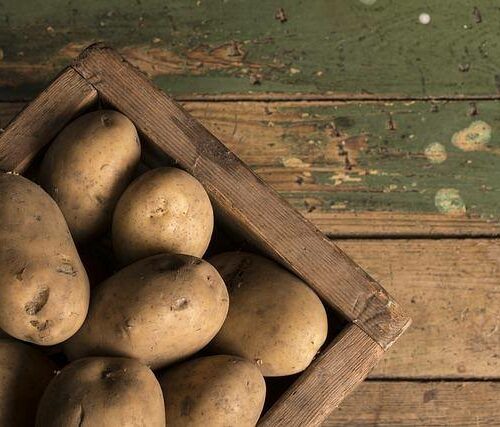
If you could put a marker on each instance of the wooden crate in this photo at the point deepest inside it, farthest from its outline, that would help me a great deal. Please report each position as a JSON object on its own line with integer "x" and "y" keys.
{"x": 242, "y": 201}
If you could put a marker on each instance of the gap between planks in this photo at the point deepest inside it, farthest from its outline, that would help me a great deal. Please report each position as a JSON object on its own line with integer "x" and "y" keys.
{"x": 311, "y": 97}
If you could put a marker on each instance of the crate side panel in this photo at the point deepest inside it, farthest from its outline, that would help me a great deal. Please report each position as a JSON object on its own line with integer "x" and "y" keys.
{"x": 327, "y": 381}
{"x": 41, "y": 120}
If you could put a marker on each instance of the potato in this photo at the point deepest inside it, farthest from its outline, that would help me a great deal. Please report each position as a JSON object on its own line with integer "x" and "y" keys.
{"x": 102, "y": 391}
{"x": 274, "y": 318}
{"x": 24, "y": 374}
{"x": 164, "y": 210}
{"x": 158, "y": 310}
{"x": 44, "y": 289}
{"x": 213, "y": 391}
{"x": 87, "y": 167}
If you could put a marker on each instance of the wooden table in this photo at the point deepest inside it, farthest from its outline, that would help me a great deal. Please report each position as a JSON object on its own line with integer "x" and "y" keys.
{"x": 379, "y": 126}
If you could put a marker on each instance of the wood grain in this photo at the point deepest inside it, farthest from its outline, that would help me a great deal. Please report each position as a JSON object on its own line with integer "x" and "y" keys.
{"x": 451, "y": 288}
{"x": 413, "y": 404}
{"x": 378, "y": 194}
{"x": 43, "y": 118}
{"x": 241, "y": 196}
{"x": 331, "y": 377}
{"x": 344, "y": 48}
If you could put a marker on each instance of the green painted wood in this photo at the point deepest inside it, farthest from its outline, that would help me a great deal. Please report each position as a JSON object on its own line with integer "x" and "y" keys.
{"x": 328, "y": 157}
{"x": 327, "y": 47}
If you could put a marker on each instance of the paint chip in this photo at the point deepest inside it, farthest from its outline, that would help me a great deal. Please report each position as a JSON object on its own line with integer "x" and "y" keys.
{"x": 435, "y": 153}
{"x": 342, "y": 177}
{"x": 448, "y": 201}
{"x": 294, "y": 162}
{"x": 473, "y": 138}
{"x": 368, "y": 2}
{"x": 424, "y": 18}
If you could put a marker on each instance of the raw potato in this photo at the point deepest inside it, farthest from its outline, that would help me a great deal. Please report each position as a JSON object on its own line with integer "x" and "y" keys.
{"x": 44, "y": 289}
{"x": 159, "y": 310}
{"x": 215, "y": 391}
{"x": 103, "y": 391}
{"x": 164, "y": 210}
{"x": 88, "y": 166}
{"x": 274, "y": 318}
{"x": 24, "y": 374}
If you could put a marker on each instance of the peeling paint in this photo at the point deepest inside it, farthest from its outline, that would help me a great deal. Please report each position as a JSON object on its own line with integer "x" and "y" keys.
{"x": 341, "y": 177}
{"x": 435, "y": 153}
{"x": 449, "y": 201}
{"x": 473, "y": 138}
{"x": 294, "y": 162}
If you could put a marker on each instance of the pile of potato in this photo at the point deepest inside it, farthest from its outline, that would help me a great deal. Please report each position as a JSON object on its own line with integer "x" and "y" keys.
{"x": 161, "y": 307}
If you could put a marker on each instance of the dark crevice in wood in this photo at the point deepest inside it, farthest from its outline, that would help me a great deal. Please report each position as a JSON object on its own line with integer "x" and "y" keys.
{"x": 491, "y": 236}
{"x": 278, "y": 97}
{"x": 435, "y": 379}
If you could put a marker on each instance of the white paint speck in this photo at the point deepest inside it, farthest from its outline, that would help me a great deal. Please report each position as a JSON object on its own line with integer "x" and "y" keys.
{"x": 435, "y": 153}
{"x": 424, "y": 18}
{"x": 368, "y": 2}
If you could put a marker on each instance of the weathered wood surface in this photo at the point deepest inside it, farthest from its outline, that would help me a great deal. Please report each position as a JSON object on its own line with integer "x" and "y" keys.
{"x": 425, "y": 404}
{"x": 451, "y": 289}
{"x": 239, "y": 195}
{"x": 330, "y": 157}
{"x": 332, "y": 376}
{"x": 329, "y": 48}
{"x": 340, "y": 165}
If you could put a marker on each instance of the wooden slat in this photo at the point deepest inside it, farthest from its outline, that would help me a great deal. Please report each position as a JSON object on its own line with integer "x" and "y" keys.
{"x": 424, "y": 404}
{"x": 347, "y": 48}
{"x": 43, "y": 118}
{"x": 331, "y": 377}
{"x": 451, "y": 288}
{"x": 236, "y": 191}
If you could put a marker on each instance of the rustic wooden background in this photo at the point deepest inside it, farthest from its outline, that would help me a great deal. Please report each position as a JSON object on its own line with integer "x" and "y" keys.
{"x": 381, "y": 129}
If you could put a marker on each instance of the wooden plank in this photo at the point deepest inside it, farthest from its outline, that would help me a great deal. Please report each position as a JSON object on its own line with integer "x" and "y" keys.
{"x": 413, "y": 404}
{"x": 42, "y": 119}
{"x": 344, "y": 48}
{"x": 322, "y": 387}
{"x": 331, "y": 158}
{"x": 273, "y": 138}
{"x": 240, "y": 195}
{"x": 451, "y": 288}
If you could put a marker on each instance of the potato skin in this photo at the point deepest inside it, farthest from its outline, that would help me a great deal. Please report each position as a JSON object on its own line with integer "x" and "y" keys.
{"x": 88, "y": 166}
{"x": 102, "y": 391}
{"x": 44, "y": 289}
{"x": 274, "y": 318}
{"x": 24, "y": 374}
{"x": 215, "y": 391}
{"x": 159, "y": 310}
{"x": 165, "y": 210}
